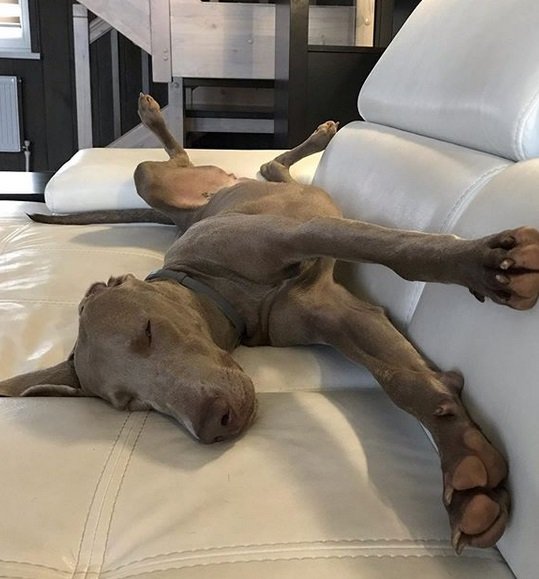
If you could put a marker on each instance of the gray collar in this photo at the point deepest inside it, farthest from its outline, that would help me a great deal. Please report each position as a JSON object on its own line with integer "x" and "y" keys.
{"x": 201, "y": 288}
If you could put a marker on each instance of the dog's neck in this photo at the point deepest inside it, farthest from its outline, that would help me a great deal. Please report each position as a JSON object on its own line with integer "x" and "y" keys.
{"x": 223, "y": 331}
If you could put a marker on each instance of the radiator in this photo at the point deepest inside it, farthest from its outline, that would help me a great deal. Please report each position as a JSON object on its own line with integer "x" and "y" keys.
{"x": 10, "y": 121}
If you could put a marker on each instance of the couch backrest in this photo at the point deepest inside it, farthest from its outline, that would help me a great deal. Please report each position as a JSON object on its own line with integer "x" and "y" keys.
{"x": 398, "y": 179}
{"x": 464, "y": 72}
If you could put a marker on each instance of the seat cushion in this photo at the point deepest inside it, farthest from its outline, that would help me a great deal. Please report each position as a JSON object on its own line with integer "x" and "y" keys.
{"x": 338, "y": 484}
{"x": 327, "y": 483}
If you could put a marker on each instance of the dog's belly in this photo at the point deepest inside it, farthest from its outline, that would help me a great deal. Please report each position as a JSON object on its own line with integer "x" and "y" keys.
{"x": 194, "y": 186}
{"x": 253, "y": 197}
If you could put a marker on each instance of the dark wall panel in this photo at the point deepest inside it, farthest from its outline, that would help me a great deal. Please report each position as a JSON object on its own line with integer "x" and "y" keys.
{"x": 47, "y": 89}
{"x": 130, "y": 82}
{"x": 56, "y": 33}
{"x": 334, "y": 80}
{"x": 101, "y": 81}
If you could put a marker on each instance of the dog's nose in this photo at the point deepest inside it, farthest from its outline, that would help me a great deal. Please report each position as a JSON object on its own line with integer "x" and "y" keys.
{"x": 216, "y": 424}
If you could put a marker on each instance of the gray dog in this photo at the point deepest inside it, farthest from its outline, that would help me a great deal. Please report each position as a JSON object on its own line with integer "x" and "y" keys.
{"x": 254, "y": 265}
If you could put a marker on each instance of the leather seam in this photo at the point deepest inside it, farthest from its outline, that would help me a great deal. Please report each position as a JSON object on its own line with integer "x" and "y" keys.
{"x": 467, "y": 195}
{"x": 441, "y": 542}
{"x": 518, "y": 145}
{"x": 119, "y": 488}
{"x": 39, "y": 565}
{"x": 113, "y": 446}
{"x": 416, "y": 296}
{"x": 113, "y": 476}
{"x": 451, "y": 555}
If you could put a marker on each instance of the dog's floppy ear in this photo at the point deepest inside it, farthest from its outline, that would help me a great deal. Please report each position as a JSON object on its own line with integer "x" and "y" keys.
{"x": 100, "y": 286}
{"x": 59, "y": 380}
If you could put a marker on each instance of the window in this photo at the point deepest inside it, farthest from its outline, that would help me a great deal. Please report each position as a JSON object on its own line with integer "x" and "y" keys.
{"x": 15, "y": 29}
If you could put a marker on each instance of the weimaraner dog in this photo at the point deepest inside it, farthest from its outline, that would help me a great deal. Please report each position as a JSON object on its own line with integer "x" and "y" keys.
{"x": 254, "y": 265}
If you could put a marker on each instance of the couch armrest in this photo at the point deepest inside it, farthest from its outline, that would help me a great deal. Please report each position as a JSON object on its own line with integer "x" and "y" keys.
{"x": 496, "y": 350}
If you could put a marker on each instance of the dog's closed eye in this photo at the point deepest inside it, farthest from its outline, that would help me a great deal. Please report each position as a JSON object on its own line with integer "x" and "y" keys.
{"x": 141, "y": 343}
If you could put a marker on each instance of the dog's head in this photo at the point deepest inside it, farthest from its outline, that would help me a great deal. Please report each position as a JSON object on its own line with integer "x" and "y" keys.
{"x": 139, "y": 346}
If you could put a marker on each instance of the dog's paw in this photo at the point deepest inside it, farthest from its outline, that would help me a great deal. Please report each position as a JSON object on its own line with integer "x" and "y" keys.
{"x": 474, "y": 496}
{"x": 510, "y": 267}
{"x": 478, "y": 517}
{"x": 148, "y": 110}
{"x": 324, "y": 133}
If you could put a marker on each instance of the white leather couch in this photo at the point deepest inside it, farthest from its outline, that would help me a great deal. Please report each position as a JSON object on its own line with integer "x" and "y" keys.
{"x": 331, "y": 481}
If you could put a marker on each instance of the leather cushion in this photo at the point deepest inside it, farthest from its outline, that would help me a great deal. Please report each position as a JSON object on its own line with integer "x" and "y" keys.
{"x": 464, "y": 73}
{"x": 323, "y": 485}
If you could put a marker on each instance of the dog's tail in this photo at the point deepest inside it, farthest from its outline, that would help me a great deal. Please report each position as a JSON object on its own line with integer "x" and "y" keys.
{"x": 105, "y": 216}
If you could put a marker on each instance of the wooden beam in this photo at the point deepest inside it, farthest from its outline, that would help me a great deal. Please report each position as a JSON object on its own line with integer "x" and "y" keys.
{"x": 130, "y": 17}
{"x": 176, "y": 109}
{"x": 83, "y": 92}
{"x": 160, "y": 36}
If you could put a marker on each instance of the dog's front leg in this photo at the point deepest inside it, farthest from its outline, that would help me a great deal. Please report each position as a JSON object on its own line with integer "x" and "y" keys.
{"x": 503, "y": 267}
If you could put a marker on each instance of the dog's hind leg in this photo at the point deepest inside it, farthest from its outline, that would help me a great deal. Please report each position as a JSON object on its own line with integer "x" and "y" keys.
{"x": 473, "y": 470}
{"x": 150, "y": 114}
{"x": 278, "y": 169}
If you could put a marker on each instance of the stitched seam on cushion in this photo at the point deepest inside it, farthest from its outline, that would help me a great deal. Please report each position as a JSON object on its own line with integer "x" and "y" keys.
{"x": 10, "y": 561}
{"x": 95, "y": 492}
{"x": 414, "y": 300}
{"x": 87, "y": 571}
{"x": 521, "y": 123}
{"x": 466, "y": 196}
{"x": 113, "y": 510}
{"x": 450, "y": 554}
{"x": 346, "y": 543}
{"x": 467, "y": 193}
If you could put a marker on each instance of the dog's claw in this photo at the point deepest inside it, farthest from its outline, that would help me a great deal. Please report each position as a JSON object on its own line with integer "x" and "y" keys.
{"x": 479, "y": 297}
{"x": 473, "y": 495}
{"x": 506, "y": 264}
{"x": 448, "y": 493}
{"x": 457, "y": 541}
